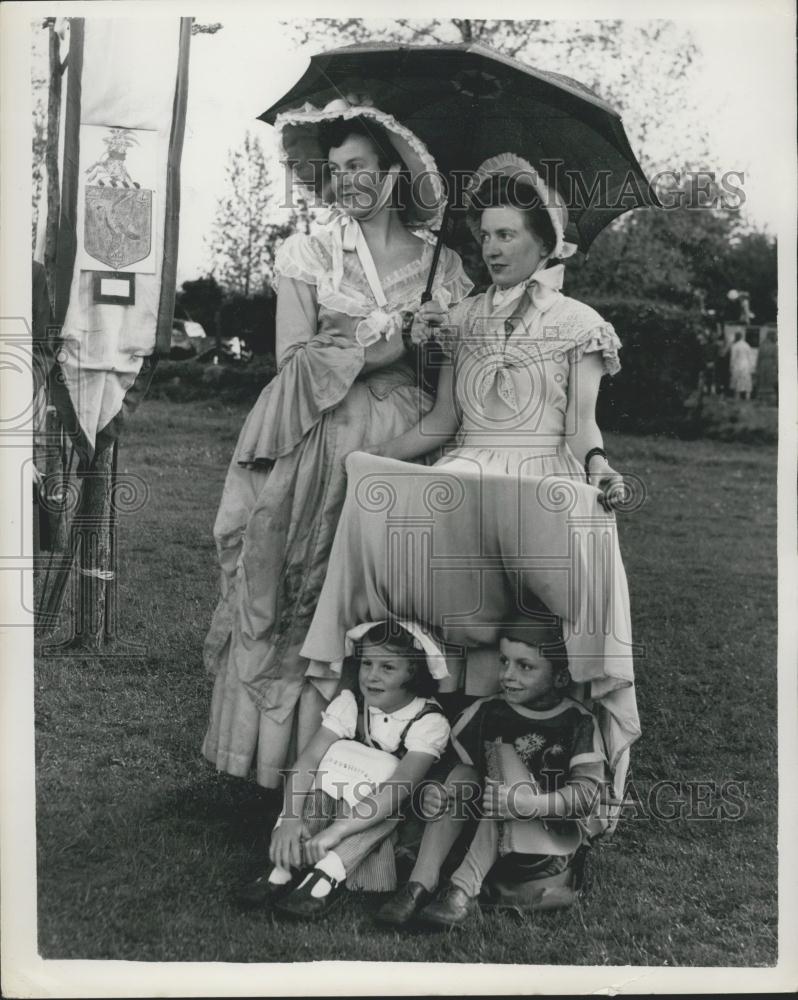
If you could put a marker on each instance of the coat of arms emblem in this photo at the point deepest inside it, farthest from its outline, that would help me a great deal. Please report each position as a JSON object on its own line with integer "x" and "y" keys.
{"x": 118, "y": 211}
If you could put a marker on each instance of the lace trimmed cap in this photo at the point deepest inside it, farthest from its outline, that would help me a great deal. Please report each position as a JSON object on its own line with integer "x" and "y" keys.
{"x": 521, "y": 171}
{"x": 300, "y": 150}
{"x": 421, "y": 638}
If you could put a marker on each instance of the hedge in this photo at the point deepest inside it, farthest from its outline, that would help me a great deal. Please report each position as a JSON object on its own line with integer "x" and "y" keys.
{"x": 181, "y": 381}
{"x": 661, "y": 362}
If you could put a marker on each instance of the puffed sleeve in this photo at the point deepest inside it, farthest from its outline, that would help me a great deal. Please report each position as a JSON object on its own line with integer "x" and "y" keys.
{"x": 340, "y": 716}
{"x": 429, "y": 734}
{"x": 303, "y": 257}
{"x": 591, "y": 334}
{"x": 316, "y": 369}
{"x": 452, "y": 284}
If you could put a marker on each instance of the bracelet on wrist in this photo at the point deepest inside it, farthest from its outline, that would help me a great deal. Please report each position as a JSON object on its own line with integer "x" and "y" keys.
{"x": 592, "y": 454}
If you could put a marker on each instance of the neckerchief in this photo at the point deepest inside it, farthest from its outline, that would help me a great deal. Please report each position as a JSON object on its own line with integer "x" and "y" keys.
{"x": 498, "y": 352}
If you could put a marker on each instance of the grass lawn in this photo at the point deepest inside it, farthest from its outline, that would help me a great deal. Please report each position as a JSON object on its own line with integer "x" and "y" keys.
{"x": 140, "y": 843}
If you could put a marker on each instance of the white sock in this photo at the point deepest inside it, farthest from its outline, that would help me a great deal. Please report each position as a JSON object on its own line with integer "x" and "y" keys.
{"x": 321, "y": 889}
{"x": 279, "y": 876}
{"x": 331, "y": 865}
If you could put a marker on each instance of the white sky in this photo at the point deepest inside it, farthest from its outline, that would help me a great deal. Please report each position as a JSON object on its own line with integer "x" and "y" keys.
{"x": 238, "y": 72}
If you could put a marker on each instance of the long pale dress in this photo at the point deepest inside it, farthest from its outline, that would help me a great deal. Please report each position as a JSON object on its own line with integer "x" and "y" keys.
{"x": 505, "y": 515}
{"x": 285, "y": 488}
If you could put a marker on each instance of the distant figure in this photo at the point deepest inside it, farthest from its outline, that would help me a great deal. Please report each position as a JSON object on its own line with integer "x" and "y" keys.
{"x": 738, "y": 309}
{"x": 706, "y": 379}
{"x": 767, "y": 369}
{"x": 721, "y": 365}
{"x": 742, "y": 363}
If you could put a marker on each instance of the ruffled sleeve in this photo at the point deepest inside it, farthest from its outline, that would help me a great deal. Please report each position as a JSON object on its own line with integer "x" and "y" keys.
{"x": 591, "y": 333}
{"x": 302, "y": 257}
{"x": 314, "y": 260}
{"x": 452, "y": 284}
{"x": 340, "y": 716}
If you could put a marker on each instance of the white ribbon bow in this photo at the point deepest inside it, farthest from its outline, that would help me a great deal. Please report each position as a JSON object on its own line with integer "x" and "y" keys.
{"x": 499, "y": 354}
{"x": 348, "y": 237}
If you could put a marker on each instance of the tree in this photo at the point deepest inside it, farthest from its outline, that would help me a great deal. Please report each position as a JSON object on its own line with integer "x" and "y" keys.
{"x": 643, "y": 68}
{"x": 244, "y": 239}
{"x": 751, "y": 263}
{"x": 39, "y": 81}
{"x": 200, "y": 300}
{"x": 690, "y": 255}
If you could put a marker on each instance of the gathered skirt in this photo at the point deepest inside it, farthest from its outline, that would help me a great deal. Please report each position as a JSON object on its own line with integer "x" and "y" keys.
{"x": 273, "y": 532}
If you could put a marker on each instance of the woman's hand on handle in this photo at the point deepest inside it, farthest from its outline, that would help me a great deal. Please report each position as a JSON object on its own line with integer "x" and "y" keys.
{"x": 427, "y": 321}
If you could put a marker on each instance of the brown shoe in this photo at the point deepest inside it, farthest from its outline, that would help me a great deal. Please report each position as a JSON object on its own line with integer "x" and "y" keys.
{"x": 450, "y": 908}
{"x": 403, "y": 904}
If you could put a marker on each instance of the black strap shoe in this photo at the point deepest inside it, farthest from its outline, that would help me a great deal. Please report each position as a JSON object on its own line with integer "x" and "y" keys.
{"x": 450, "y": 908}
{"x": 403, "y": 904}
{"x": 262, "y": 892}
{"x": 300, "y": 903}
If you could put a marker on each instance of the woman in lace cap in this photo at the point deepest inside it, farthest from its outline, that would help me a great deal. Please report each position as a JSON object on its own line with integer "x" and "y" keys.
{"x": 345, "y": 295}
{"x": 526, "y": 360}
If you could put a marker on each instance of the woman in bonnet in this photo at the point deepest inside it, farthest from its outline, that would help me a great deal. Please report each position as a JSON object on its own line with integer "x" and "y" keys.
{"x": 526, "y": 359}
{"x": 346, "y": 294}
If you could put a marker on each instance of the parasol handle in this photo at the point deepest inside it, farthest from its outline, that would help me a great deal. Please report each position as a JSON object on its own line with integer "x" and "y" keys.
{"x": 427, "y": 296}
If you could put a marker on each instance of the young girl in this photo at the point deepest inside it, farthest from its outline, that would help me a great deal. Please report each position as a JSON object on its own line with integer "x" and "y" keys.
{"x": 320, "y": 841}
{"x": 526, "y": 359}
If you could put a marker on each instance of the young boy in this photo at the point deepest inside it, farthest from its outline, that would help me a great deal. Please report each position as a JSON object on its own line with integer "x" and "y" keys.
{"x": 539, "y": 759}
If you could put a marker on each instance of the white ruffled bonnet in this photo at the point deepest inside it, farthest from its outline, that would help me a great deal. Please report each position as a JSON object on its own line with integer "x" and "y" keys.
{"x": 510, "y": 165}
{"x": 299, "y": 149}
{"x": 422, "y": 640}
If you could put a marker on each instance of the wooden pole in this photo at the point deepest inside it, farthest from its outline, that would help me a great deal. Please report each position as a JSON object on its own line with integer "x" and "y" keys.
{"x": 51, "y": 162}
{"x": 89, "y": 552}
{"x": 92, "y": 530}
